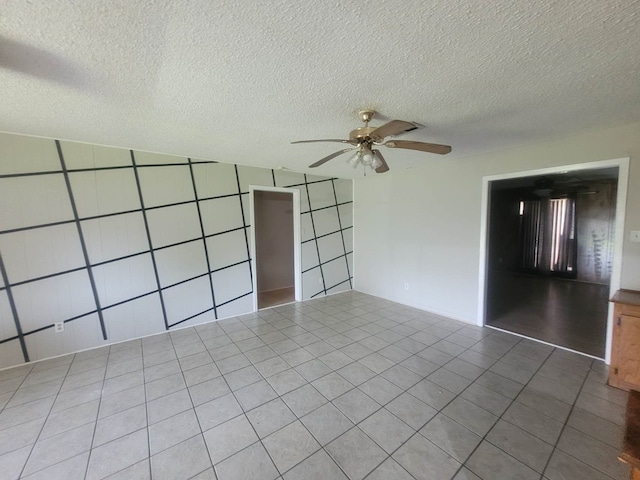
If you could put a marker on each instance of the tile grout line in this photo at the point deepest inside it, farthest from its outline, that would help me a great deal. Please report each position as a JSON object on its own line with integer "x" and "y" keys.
{"x": 95, "y": 427}
{"x": 278, "y": 355}
{"x": 146, "y": 409}
{"x": 244, "y": 414}
{"x": 416, "y": 431}
{"x": 405, "y": 391}
{"x": 47, "y": 417}
{"x": 483, "y": 438}
{"x": 193, "y": 407}
{"x": 291, "y": 316}
{"x": 331, "y": 402}
{"x": 279, "y": 397}
{"x": 70, "y": 364}
{"x": 565, "y": 424}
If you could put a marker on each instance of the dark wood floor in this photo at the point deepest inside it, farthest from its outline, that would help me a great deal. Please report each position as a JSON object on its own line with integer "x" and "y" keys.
{"x": 562, "y": 312}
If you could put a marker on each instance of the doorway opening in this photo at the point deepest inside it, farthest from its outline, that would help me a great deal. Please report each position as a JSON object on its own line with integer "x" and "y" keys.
{"x": 553, "y": 254}
{"x": 275, "y": 220}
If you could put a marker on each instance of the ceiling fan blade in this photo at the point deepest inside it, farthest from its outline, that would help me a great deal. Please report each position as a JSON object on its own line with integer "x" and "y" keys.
{"x": 326, "y": 140}
{"x": 394, "y": 127}
{"x": 384, "y": 167}
{"x": 421, "y": 146}
{"x": 330, "y": 157}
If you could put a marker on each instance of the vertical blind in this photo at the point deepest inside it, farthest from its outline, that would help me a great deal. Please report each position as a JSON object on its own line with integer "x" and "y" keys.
{"x": 531, "y": 230}
{"x": 548, "y": 235}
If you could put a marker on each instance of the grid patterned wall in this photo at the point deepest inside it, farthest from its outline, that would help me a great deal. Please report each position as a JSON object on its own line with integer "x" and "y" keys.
{"x": 118, "y": 244}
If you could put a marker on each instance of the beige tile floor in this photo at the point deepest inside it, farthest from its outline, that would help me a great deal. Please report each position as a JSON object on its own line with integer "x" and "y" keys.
{"x": 342, "y": 387}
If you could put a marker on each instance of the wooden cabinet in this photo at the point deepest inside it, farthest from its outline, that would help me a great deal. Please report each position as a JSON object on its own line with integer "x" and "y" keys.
{"x": 625, "y": 350}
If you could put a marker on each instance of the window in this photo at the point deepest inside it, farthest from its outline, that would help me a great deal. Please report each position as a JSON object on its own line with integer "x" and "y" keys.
{"x": 548, "y": 235}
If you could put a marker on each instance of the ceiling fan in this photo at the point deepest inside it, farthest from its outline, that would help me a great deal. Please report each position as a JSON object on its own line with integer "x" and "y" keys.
{"x": 365, "y": 138}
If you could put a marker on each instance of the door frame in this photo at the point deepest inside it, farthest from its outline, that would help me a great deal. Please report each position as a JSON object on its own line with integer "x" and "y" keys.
{"x": 621, "y": 203}
{"x": 297, "y": 246}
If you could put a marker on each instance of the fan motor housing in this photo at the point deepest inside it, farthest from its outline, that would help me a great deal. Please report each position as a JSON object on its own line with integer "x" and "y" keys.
{"x": 361, "y": 134}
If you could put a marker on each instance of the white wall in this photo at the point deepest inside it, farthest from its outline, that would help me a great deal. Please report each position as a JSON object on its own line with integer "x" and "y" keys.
{"x": 163, "y": 241}
{"x": 422, "y": 226}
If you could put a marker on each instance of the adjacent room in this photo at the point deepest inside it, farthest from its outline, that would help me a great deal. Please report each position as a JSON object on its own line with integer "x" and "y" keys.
{"x": 298, "y": 240}
{"x": 551, "y": 242}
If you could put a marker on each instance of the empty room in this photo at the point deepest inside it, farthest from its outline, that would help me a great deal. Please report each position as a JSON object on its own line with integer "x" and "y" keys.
{"x": 332, "y": 241}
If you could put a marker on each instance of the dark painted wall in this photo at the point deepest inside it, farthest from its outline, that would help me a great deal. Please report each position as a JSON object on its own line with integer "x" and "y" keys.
{"x": 595, "y": 217}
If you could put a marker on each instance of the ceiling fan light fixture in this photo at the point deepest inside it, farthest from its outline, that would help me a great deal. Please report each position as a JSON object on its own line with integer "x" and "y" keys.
{"x": 375, "y": 163}
{"x": 367, "y": 156}
{"x": 354, "y": 160}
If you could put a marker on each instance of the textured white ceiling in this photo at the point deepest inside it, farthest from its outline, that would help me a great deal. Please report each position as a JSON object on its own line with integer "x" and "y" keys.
{"x": 237, "y": 81}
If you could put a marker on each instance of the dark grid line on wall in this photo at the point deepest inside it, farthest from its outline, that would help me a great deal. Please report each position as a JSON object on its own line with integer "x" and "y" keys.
{"x": 235, "y": 299}
{"x": 86, "y": 314}
{"x": 125, "y": 257}
{"x": 195, "y": 277}
{"x": 313, "y": 227}
{"x": 30, "y": 174}
{"x": 344, "y": 246}
{"x": 244, "y": 224}
{"x": 11, "y": 339}
{"x": 47, "y": 277}
{"x": 141, "y": 165}
{"x": 112, "y": 214}
{"x": 192, "y": 317}
{"x": 327, "y": 207}
{"x": 344, "y": 255}
{"x": 34, "y": 227}
{"x": 332, "y": 287}
{"x": 137, "y": 297}
{"x": 100, "y": 169}
{"x": 150, "y": 251}
{"x": 204, "y": 239}
{"x": 14, "y": 310}
{"x": 139, "y": 210}
{"x": 83, "y": 244}
{"x": 185, "y": 280}
{"x": 51, "y": 325}
{"x": 321, "y": 288}
{"x": 132, "y": 299}
{"x": 306, "y": 182}
{"x": 326, "y": 235}
{"x": 153, "y": 256}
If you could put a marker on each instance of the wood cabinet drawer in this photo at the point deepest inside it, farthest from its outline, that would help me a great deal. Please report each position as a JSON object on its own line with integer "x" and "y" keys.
{"x": 625, "y": 349}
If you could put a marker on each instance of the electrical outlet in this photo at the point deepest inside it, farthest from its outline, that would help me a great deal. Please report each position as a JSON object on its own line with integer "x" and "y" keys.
{"x": 58, "y": 327}
{"x": 406, "y": 286}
